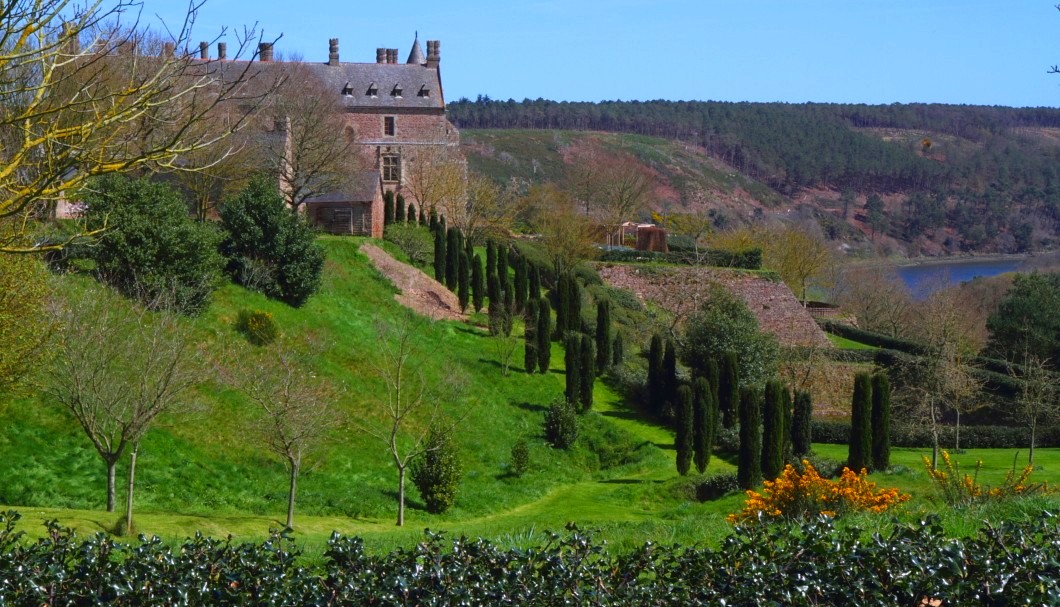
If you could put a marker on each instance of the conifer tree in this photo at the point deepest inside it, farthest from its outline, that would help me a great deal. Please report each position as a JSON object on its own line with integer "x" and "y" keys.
{"x": 801, "y": 424}
{"x": 478, "y": 285}
{"x": 410, "y": 216}
{"x": 399, "y": 210}
{"x": 603, "y": 335}
{"x": 618, "y": 350}
{"x": 562, "y": 296}
{"x": 388, "y": 208}
{"x": 574, "y": 303}
{"x": 544, "y": 335}
{"x": 509, "y": 296}
{"x": 491, "y": 272}
{"x": 452, "y": 258}
{"x": 860, "y": 448}
{"x": 729, "y": 389}
{"x": 587, "y": 373}
{"x": 773, "y": 430}
{"x": 704, "y": 423}
{"x": 785, "y": 406}
{"x": 494, "y": 291}
{"x": 713, "y": 376}
{"x": 655, "y": 385}
{"x": 530, "y": 337}
{"x": 535, "y": 282}
{"x": 669, "y": 379}
{"x": 502, "y": 262}
{"x": 749, "y": 470}
{"x": 521, "y": 283}
{"x": 439, "y": 254}
{"x": 881, "y": 422}
{"x": 683, "y": 439}
{"x": 464, "y": 282}
{"x": 423, "y": 216}
{"x": 572, "y": 361}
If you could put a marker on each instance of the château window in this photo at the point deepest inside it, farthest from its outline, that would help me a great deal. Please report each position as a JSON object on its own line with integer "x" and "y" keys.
{"x": 373, "y": 90}
{"x": 424, "y": 91}
{"x": 389, "y": 126}
{"x": 391, "y": 168}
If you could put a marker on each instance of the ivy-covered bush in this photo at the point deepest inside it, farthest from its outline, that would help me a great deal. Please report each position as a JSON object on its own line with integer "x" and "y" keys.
{"x": 270, "y": 248}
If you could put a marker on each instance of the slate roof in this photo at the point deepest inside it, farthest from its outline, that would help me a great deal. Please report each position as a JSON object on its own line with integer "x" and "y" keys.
{"x": 361, "y": 187}
{"x": 416, "y": 55}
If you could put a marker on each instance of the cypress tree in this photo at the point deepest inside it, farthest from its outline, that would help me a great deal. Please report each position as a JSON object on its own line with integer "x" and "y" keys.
{"x": 423, "y": 216}
{"x": 603, "y": 335}
{"x": 399, "y": 210}
{"x": 587, "y": 373}
{"x": 535, "y": 282}
{"x": 881, "y": 422}
{"x": 683, "y": 439}
{"x": 478, "y": 285}
{"x": 502, "y": 263}
{"x": 785, "y": 406}
{"x": 388, "y": 208}
{"x": 654, "y": 387}
{"x": 439, "y": 255}
{"x": 452, "y": 258}
{"x": 544, "y": 335}
{"x": 703, "y": 420}
{"x": 729, "y": 389}
{"x": 491, "y": 259}
{"x": 562, "y": 292}
{"x": 572, "y": 361}
{"x": 574, "y": 311}
{"x": 800, "y": 424}
{"x": 530, "y": 338}
{"x": 860, "y": 449}
{"x": 749, "y": 471}
{"x": 464, "y": 284}
{"x": 713, "y": 377}
{"x": 618, "y": 350}
{"x": 521, "y": 283}
{"x": 773, "y": 430}
{"x": 410, "y": 216}
{"x": 669, "y": 379}
{"x": 434, "y": 219}
{"x": 494, "y": 290}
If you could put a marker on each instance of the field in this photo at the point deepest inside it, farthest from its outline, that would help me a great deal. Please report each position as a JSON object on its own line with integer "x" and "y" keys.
{"x": 205, "y": 472}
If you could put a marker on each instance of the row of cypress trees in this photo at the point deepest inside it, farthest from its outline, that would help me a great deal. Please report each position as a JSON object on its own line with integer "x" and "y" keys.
{"x": 396, "y": 211}
{"x": 870, "y": 423}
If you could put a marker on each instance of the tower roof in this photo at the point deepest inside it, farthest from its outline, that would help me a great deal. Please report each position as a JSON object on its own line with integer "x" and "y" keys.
{"x": 416, "y": 55}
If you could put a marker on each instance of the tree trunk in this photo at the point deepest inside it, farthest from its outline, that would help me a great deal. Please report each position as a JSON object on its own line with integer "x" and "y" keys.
{"x": 401, "y": 496}
{"x": 111, "y": 464}
{"x": 1030, "y": 454}
{"x": 129, "y": 495}
{"x": 290, "y": 495}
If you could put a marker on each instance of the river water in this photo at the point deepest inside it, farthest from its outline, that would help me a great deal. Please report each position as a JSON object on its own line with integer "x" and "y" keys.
{"x": 924, "y": 279}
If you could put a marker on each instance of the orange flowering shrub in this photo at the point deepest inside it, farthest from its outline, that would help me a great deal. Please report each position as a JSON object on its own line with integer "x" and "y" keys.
{"x": 960, "y": 490}
{"x": 798, "y": 494}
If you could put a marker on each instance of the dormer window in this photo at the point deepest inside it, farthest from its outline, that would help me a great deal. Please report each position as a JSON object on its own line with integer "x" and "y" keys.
{"x": 424, "y": 91}
{"x": 397, "y": 90}
{"x": 373, "y": 90}
{"x": 347, "y": 90}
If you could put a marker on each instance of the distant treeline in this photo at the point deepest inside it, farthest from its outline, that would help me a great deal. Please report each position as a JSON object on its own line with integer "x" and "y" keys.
{"x": 1002, "y": 171}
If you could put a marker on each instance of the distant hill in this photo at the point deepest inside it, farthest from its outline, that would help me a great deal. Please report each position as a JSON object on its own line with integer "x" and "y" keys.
{"x": 946, "y": 179}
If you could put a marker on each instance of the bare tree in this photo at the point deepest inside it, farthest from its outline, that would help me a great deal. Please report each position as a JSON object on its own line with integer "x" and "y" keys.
{"x": 116, "y": 373}
{"x": 489, "y": 210}
{"x": 565, "y": 236}
{"x": 411, "y": 407}
{"x": 79, "y": 99}
{"x": 436, "y": 175}
{"x": 618, "y": 185}
{"x": 877, "y": 297}
{"x": 296, "y": 407}
{"x": 1039, "y": 399}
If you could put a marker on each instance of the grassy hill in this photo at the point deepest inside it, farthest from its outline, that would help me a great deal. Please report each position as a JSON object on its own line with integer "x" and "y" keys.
{"x": 207, "y": 471}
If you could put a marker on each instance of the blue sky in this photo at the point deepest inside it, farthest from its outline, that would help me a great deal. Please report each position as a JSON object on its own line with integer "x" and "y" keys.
{"x": 945, "y": 51}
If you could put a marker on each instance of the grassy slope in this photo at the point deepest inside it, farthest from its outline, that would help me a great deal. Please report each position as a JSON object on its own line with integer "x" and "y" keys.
{"x": 206, "y": 473}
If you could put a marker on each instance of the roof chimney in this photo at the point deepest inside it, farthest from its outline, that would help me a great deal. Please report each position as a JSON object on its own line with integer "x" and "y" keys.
{"x": 167, "y": 49}
{"x": 333, "y": 51}
{"x": 222, "y": 50}
{"x": 434, "y": 53}
{"x": 265, "y": 51}
{"x": 380, "y": 55}
{"x": 204, "y": 50}
{"x": 391, "y": 55}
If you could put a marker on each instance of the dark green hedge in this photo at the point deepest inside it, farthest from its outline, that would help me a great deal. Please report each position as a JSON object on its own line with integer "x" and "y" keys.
{"x": 750, "y": 259}
{"x": 813, "y": 563}
{"x": 972, "y": 437}
{"x": 870, "y": 338}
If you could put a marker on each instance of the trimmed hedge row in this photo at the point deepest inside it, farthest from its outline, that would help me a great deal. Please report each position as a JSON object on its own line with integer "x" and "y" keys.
{"x": 749, "y": 259}
{"x": 972, "y": 437}
{"x": 870, "y": 338}
{"x": 813, "y": 563}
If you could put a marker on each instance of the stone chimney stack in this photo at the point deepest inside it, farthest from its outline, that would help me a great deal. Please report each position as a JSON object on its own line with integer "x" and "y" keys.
{"x": 222, "y": 50}
{"x": 265, "y": 51}
{"x": 380, "y": 55}
{"x": 204, "y": 50}
{"x": 333, "y": 51}
{"x": 434, "y": 53}
{"x": 167, "y": 49}
{"x": 391, "y": 55}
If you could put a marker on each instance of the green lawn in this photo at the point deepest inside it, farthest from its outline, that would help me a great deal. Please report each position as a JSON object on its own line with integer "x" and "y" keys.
{"x": 848, "y": 344}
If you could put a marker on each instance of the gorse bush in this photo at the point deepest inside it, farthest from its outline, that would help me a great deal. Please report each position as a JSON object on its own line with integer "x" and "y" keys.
{"x": 796, "y": 494}
{"x": 801, "y": 565}
{"x": 960, "y": 490}
{"x": 257, "y": 326}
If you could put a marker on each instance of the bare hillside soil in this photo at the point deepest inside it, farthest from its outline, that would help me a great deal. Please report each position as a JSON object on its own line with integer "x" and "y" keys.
{"x": 418, "y": 291}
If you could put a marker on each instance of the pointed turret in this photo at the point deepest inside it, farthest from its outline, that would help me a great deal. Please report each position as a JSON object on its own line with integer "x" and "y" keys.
{"x": 416, "y": 55}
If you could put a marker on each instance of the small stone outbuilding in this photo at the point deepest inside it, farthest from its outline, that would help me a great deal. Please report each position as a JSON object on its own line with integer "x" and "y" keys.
{"x": 356, "y": 209}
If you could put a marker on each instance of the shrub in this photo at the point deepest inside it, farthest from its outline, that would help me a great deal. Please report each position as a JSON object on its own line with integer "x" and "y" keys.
{"x": 520, "y": 461}
{"x": 269, "y": 248}
{"x": 561, "y": 425}
{"x": 958, "y": 490}
{"x": 750, "y": 259}
{"x": 796, "y": 495}
{"x": 437, "y": 472}
{"x": 412, "y": 240}
{"x": 724, "y": 323}
{"x": 152, "y": 250}
{"x": 258, "y": 327}
{"x": 718, "y": 485}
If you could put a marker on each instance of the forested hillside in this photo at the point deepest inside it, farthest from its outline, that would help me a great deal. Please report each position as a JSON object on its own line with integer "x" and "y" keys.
{"x": 961, "y": 178}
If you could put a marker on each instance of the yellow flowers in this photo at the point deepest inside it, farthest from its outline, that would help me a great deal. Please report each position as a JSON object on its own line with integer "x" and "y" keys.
{"x": 794, "y": 494}
{"x": 959, "y": 490}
